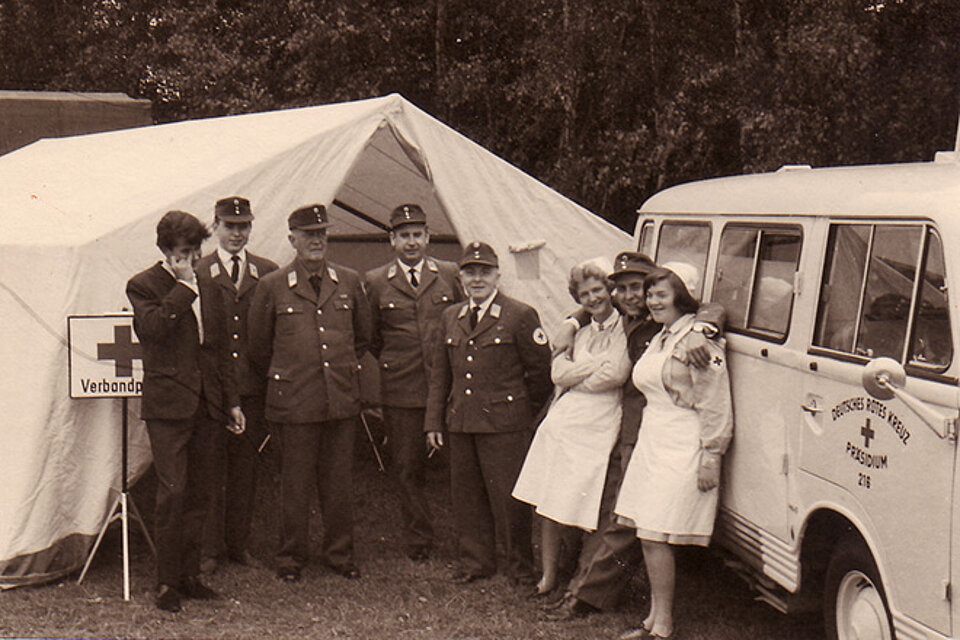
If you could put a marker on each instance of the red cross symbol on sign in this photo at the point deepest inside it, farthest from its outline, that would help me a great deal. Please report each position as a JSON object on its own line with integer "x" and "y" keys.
{"x": 123, "y": 351}
{"x": 868, "y": 434}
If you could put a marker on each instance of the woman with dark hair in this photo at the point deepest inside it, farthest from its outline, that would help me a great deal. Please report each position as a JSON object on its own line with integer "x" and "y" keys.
{"x": 669, "y": 491}
{"x": 565, "y": 467}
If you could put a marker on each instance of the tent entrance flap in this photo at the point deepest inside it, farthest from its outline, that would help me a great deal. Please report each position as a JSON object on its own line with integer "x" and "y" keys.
{"x": 389, "y": 172}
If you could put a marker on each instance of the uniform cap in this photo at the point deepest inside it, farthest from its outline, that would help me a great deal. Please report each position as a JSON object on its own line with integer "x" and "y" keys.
{"x": 233, "y": 209}
{"x": 632, "y": 262}
{"x": 407, "y": 214}
{"x": 309, "y": 218}
{"x": 479, "y": 253}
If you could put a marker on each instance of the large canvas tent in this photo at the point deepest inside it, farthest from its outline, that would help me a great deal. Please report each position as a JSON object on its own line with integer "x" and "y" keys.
{"x": 79, "y": 217}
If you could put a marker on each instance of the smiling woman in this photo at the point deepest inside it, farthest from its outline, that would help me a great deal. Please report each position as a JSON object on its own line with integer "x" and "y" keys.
{"x": 575, "y": 438}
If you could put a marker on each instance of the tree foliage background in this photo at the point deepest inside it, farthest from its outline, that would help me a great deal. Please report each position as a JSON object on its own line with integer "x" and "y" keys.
{"x": 605, "y": 100}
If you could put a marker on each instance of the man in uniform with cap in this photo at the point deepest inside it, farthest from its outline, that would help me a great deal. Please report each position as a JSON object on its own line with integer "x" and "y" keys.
{"x": 407, "y": 296}
{"x": 188, "y": 396}
{"x": 233, "y": 273}
{"x": 608, "y": 552}
{"x": 490, "y": 377}
{"x": 309, "y": 326}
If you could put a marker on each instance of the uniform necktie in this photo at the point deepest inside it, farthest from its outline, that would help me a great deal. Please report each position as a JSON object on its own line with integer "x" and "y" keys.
{"x": 413, "y": 278}
{"x": 315, "y": 282}
{"x": 474, "y": 316}
{"x": 235, "y": 271}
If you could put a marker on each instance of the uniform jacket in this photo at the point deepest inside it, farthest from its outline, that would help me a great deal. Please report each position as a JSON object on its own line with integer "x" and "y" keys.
{"x": 234, "y": 303}
{"x": 308, "y": 347}
{"x": 706, "y": 391}
{"x": 404, "y": 319}
{"x": 176, "y": 366}
{"x": 491, "y": 379}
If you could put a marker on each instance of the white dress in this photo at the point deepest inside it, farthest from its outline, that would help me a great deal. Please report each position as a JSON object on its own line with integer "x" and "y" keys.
{"x": 659, "y": 494}
{"x": 565, "y": 467}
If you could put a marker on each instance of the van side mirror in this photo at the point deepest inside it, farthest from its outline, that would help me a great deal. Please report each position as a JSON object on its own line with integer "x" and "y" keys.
{"x": 884, "y": 378}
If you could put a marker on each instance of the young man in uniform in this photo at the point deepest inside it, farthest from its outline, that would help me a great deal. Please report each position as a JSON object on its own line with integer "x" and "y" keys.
{"x": 309, "y": 325}
{"x": 233, "y": 273}
{"x": 490, "y": 377}
{"x": 407, "y": 296}
{"x": 188, "y": 395}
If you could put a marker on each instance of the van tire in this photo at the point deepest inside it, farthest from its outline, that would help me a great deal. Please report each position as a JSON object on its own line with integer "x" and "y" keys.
{"x": 854, "y": 602}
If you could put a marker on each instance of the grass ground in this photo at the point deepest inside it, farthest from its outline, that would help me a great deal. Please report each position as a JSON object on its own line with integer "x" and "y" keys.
{"x": 396, "y": 598}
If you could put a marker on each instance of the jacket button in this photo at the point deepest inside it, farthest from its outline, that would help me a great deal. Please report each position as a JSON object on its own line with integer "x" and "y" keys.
{"x": 289, "y": 309}
{"x": 323, "y": 346}
{"x": 237, "y": 318}
{"x": 386, "y": 366}
{"x": 391, "y": 306}
{"x": 468, "y": 375}
{"x": 469, "y": 358}
{"x": 509, "y": 398}
{"x": 326, "y": 364}
{"x": 496, "y": 340}
{"x": 319, "y": 312}
{"x": 276, "y": 376}
{"x": 235, "y": 354}
{"x": 468, "y": 392}
{"x": 236, "y": 336}
{"x": 449, "y": 340}
{"x": 321, "y": 329}
{"x": 470, "y": 342}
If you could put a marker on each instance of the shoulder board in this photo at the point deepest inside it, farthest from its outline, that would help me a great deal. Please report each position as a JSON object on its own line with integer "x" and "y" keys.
{"x": 432, "y": 265}
{"x": 292, "y": 279}
{"x": 495, "y": 310}
{"x": 392, "y": 271}
{"x": 214, "y": 269}
{"x": 333, "y": 274}
{"x": 253, "y": 269}
{"x": 463, "y": 310}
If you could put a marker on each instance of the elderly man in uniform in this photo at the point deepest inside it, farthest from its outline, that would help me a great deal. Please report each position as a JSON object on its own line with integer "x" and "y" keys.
{"x": 188, "y": 395}
{"x": 609, "y": 552}
{"x": 234, "y": 273}
{"x": 490, "y": 377}
{"x": 309, "y": 326}
{"x": 407, "y": 296}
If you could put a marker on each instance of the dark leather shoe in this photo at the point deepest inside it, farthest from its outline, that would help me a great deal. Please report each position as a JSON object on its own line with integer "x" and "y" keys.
{"x": 571, "y": 609}
{"x": 348, "y": 571}
{"x": 418, "y": 554}
{"x": 288, "y": 574}
{"x": 193, "y": 588}
{"x": 168, "y": 599}
{"x": 466, "y": 577}
{"x": 550, "y": 605}
{"x": 244, "y": 558}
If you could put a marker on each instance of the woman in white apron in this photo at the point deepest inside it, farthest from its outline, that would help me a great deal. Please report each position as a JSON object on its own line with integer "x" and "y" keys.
{"x": 565, "y": 467}
{"x": 670, "y": 488}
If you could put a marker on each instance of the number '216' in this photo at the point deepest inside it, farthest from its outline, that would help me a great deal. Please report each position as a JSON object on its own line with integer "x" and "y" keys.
{"x": 864, "y": 480}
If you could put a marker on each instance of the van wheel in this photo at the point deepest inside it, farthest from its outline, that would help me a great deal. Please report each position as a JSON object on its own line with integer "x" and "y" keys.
{"x": 855, "y": 605}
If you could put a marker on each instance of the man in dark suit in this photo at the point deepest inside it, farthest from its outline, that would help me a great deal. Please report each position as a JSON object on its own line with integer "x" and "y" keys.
{"x": 187, "y": 396}
{"x": 232, "y": 273}
{"x": 490, "y": 377}
{"x": 611, "y": 551}
{"x": 309, "y": 325}
{"x": 407, "y": 296}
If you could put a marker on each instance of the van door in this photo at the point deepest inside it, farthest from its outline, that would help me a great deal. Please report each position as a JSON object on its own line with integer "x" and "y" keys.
{"x": 884, "y": 294}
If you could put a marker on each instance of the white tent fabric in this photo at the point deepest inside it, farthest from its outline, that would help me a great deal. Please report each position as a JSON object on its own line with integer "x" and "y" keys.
{"x": 79, "y": 217}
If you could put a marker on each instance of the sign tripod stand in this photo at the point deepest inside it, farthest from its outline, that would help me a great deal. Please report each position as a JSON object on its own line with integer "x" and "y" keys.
{"x": 123, "y": 507}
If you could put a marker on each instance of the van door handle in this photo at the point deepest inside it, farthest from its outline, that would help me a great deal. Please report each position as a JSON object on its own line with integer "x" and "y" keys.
{"x": 810, "y": 406}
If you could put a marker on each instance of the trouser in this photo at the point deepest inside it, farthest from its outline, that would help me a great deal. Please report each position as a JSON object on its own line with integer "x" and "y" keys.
{"x": 406, "y": 444}
{"x": 483, "y": 470}
{"x": 610, "y": 553}
{"x": 316, "y": 454}
{"x": 234, "y": 472}
{"x": 181, "y": 455}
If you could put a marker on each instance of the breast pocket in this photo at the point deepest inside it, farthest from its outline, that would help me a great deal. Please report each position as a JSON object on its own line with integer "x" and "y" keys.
{"x": 291, "y": 319}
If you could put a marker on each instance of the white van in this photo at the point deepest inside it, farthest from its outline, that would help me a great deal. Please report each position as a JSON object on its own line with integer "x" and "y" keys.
{"x": 842, "y": 479}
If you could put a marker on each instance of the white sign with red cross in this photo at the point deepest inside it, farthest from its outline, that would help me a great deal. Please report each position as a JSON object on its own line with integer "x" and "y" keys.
{"x": 106, "y": 360}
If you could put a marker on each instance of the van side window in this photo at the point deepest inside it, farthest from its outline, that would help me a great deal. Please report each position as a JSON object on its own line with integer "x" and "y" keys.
{"x": 931, "y": 345}
{"x": 685, "y": 242}
{"x": 873, "y": 297}
{"x": 754, "y": 280}
{"x": 646, "y": 239}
